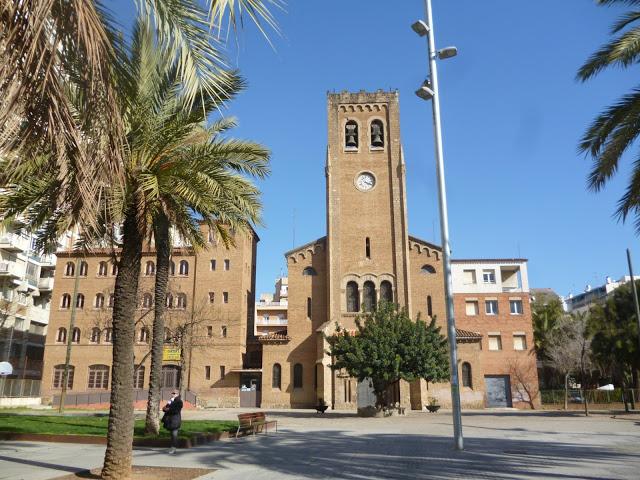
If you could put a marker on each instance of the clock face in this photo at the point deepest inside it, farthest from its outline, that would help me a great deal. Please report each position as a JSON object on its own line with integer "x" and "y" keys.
{"x": 365, "y": 181}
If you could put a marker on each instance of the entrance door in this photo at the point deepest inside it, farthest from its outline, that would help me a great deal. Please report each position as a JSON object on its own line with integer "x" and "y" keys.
{"x": 250, "y": 390}
{"x": 498, "y": 390}
{"x": 170, "y": 376}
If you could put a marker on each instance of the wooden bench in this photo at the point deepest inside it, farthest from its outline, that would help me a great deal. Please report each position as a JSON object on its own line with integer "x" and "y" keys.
{"x": 254, "y": 422}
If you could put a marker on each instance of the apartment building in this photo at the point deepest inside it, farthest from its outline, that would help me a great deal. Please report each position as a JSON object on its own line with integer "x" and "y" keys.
{"x": 271, "y": 310}
{"x": 582, "y": 302}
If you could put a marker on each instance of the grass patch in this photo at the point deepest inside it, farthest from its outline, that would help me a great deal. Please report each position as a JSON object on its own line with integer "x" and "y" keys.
{"x": 97, "y": 425}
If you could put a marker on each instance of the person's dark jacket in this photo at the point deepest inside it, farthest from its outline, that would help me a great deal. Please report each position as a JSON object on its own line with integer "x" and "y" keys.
{"x": 172, "y": 418}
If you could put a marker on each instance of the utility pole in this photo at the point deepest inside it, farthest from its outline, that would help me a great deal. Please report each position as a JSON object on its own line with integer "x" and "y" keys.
{"x": 635, "y": 293}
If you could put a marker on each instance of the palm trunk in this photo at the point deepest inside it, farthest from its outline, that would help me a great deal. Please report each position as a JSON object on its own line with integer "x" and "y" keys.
{"x": 117, "y": 458}
{"x": 163, "y": 253}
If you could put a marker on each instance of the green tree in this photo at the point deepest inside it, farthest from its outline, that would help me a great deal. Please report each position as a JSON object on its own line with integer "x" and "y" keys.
{"x": 613, "y": 131}
{"x": 546, "y": 311}
{"x": 387, "y": 347}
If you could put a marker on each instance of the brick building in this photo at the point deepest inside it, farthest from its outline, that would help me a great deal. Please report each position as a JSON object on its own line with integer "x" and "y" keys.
{"x": 213, "y": 291}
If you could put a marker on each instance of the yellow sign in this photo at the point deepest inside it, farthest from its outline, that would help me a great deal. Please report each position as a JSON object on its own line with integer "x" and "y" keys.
{"x": 170, "y": 353}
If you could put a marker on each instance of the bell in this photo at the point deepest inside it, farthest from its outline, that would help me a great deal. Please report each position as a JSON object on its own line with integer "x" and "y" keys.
{"x": 377, "y": 141}
{"x": 376, "y": 135}
{"x": 352, "y": 136}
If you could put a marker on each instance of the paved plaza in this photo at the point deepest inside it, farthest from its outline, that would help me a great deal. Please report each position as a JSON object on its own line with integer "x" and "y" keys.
{"x": 498, "y": 444}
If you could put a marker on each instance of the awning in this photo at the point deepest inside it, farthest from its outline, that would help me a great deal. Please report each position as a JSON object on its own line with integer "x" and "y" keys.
{"x": 245, "y": 370}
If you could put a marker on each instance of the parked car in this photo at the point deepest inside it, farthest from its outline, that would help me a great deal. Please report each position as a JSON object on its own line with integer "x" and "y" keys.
{"x": 575, "y": 396}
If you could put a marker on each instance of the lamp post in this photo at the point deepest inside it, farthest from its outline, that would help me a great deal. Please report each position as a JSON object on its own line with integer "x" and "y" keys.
{"x": 429, "y": 91}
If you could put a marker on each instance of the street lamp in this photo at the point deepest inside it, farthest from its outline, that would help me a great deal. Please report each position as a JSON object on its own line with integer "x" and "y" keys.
{"x": 429, "y": 91}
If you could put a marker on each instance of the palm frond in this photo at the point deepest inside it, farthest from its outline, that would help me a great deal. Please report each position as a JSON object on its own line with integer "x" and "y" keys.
{"x": 621, "y": 51}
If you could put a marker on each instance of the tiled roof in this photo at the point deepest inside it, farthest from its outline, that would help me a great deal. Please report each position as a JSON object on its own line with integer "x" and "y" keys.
{"x": 274, "y": 338}
{"x": 467, "y": 335}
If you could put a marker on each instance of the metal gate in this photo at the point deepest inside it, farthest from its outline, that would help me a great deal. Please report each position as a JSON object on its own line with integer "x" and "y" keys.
{"x": 170, "y": 376}
{"x": 250, "y": 390}
{"x": 498, "y": 390}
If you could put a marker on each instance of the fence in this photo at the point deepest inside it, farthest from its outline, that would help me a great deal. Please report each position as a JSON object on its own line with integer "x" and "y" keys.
{"x": 607, "y": 399}
{"x": 92, "y": 398}
{"x": 19, "y": 388}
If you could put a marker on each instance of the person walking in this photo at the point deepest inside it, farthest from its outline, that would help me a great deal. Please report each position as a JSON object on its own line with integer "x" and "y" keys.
{"x": 172, "y": 419}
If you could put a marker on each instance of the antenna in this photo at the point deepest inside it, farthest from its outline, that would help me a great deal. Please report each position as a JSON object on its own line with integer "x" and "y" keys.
{"x": 293, "y": 241}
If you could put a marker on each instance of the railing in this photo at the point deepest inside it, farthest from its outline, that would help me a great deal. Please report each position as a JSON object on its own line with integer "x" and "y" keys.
{"x": 19, "y": 388}
{"x": 9, "y": 240}
{"x": 272, "y": 304}
{"x": 45, "y": 283}
{"x": 9, "y": 268}
{"x": 38, "y": 314}
{"x": 272, "y": 321}
{"x": 596, "y": 398}
{"x": 511, "y": 289}
{"x": 139, "y": 395}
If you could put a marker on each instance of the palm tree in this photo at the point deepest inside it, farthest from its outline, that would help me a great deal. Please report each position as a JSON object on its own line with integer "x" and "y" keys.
{"x": 613, "y": 131}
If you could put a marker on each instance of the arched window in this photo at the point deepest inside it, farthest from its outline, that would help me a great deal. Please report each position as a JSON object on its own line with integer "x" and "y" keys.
{"x": 102, "y": 269}
{"x": 369, "y": 293}
{"x": 114, "y": 269}
{"x": 353, "y": 297}
{"x": 75, "y": 335}
{"x": 297, "y": 376}
{"x": 99, "y": 302}
{"x": 309, "y": 271}
{"x": 466, "y": 375}
{"x": 172, "y": 268}
{"x": 80, "y": 301}
{"x": 429, "y": 306}
{"x": 386, "y": 292}
{"x": 351, "y": 135}
{"x": 84, "y": 268}
{"x": 147, "y": 300}
{"x": 150, "y": 269}
{"x": 138, "y": 377}
{"x": 276, "y": 378}
{"x": 169, "y": 301}
{"x": 61, "y": 336}
{"x": 184, "y": 267}
{"x": 181, "y": 300}
{"x": 65, "y": 301}
{"x": 144, "y": 335}
{"x": 167, "y": 335}
{"x": 427, "y": 269}
{"x": 58, "y": 374}
{"x": 69, "y": 269}
{"x": 108, "y": 334}
{"x": 95, "y": 335}
{"x": 98, "y": 377}
{"x": 377, "y": 134}
{"x": 112, "y": 298}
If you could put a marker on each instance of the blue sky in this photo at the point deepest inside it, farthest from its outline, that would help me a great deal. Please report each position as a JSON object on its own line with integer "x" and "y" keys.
{"x": 512, "y": 117}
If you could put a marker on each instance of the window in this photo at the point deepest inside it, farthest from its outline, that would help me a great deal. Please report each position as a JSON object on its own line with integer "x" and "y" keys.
{"x": 369, "y": 294}
{"x": 429, "y": 306}
{"x": 212, "y": 297}
{"x": 266, "y": 318}
{"x": 428, "y": 269}
{"x": 99, "y": 300}
{"x": 144, "y": 335}
{"x": 223, "y": 331}
{"x": 519, "y": 342}
{"x": 80, "y": 301}
{"x": 58, "y": 373}
{"x": 167, "y": 335}
{"x": 84, "y": 268}
{"x": 102, "y": 269}
{"x": 222, "y": 372}
{"x": 207, "y": 372}
{"x": 309, "y": 271}
{"x": 491, "y": 307}
{"x": 172, "y": 268}
{"x": 169, "y": 301}
{"x": 75, "y": 335}
{"x": 98, "y": 377}
{"x": 495, "y": 342}
{"x": 353, "y": 297}
{"x": 65, "y": 302}
{"x": 95, "y": 335}
{"x": 108, "y": 334}
{"x": 469, "y": 277}
{"x": 377, "y": 134}
{"x": 227, "y": 264}
{"x": 386, "y": 292}
{"x": 276, "y": 377}
{"x": 147, "y": 300}
{"x": 138, "y": 377}
{"x": 114, "y": 269}
{"x": 225, "y": 297}
{"x": 471, "y": 307}
{"x": 489, "y": 276}
{"x": 515, "y": 306}
{"x": 184, "y": 267}
{"x": 181, "y": 300}
{"x": 297, "y": 376}
{"x": 150, "y": 269}
{"x": 211, "y": 237}
{"x": 466, "y": 375}
{"x": 112, "y": 298}
{"x": 309, "y": 307}
{"x": 367, "y": 248}
{"x": 209, "y": 331}
{"x": 69, "y": 269}
{"x": 213, "y": 265}
{"x": 351, "y": 135}
{"x": 61, "y": 336}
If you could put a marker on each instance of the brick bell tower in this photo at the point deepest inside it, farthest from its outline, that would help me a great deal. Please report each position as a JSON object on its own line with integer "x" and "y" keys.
{"x": 366, "y": 205}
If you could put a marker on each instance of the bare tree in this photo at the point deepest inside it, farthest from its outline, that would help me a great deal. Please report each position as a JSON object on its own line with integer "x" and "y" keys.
{"x": 525, "y": 380}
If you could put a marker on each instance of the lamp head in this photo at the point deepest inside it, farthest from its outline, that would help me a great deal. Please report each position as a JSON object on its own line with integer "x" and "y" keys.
{"x": 447, "y": 52}
{"x": 420, "y": 27}
{"x": 425, "y": 92}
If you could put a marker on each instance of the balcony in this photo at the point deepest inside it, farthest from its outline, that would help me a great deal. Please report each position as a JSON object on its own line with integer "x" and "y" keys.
{"x": 37, "y": 314}
{"x": 281, "y": 304}
{"x": 511, "y": 290}
{"x": 9, "y": 269}
{"x": 13, "y": 243}
{"x": 271, "y": 321}
{"x": 45, "y": 284}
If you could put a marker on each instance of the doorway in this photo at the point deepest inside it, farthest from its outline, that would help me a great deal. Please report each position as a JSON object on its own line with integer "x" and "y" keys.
{"x": 498, "y": 390}
{"x": 250, "y": 390}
